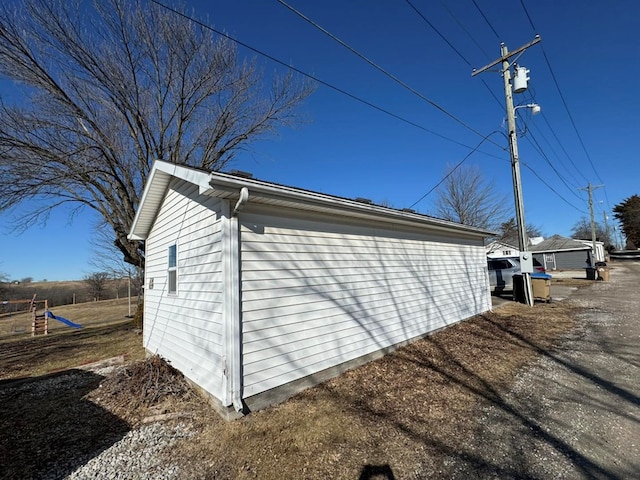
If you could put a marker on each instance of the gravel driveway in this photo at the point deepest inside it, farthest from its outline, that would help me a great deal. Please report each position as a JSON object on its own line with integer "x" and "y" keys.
{"x": 576, "y": 413}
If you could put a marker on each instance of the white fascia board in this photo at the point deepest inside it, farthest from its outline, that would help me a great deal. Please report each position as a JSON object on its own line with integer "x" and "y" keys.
{"x": 308, "y": 200}
{"x": 156, "y": 181}
{"x": 154, "y": 191}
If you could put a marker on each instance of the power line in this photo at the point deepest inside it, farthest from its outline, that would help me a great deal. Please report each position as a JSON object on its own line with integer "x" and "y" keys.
{"x": 486, "y": 20}
{"x": 464, "y": 59}
{"x": 562, "y": 146}
{"x": 316, "y": 79}
{"x": 554, "y": 153}
{"x": 564, "y": 102}
{"x": 444, "y": 5}
{"x": 534, "y": 142}
{"x": 358, "y": 99}
{"x": 453, "y": 169}
{"x": 532, "y": 99}
{"x": 550, "y": 187}
{"x": 382, "y": 70}
{"x": 573, "y": 123}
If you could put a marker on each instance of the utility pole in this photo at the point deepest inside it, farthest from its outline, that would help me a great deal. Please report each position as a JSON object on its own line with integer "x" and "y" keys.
{"x": 526, "y": 261}
{"x": 607, "y": 230}
{"x": 589, "y": 188}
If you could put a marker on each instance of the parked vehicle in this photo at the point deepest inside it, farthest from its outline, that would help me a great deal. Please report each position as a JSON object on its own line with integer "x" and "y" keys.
{"x": 501, "y": 272}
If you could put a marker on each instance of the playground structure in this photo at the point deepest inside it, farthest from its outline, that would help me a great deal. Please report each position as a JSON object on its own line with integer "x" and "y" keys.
{"x": 39, "y": 313}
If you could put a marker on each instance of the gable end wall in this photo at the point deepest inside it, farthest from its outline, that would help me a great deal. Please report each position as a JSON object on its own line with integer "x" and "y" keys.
{"x": 186, "y": 328}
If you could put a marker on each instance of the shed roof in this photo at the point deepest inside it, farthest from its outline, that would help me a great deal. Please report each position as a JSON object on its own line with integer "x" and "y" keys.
{"x": 558, "y": 243}
{"x": 227, "y": 186}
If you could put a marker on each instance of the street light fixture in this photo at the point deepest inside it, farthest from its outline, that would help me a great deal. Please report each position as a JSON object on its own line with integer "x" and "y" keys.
{"x": 534, "y": 107}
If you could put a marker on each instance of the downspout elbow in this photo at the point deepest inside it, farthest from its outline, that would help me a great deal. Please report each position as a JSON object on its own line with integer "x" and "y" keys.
{"x": 242, "y": 201}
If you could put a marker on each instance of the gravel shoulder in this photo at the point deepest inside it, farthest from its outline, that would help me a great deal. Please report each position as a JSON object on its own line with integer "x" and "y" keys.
{"x": 575, "y": 413}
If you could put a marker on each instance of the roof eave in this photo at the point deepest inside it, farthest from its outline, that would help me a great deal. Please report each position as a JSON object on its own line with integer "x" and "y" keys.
{"x": 229, "y": 186}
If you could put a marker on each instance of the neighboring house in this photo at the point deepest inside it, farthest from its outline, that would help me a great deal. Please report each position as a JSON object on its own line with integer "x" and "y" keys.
{"x": 499, "y": 249}
{"x": 256, "y": 290}
{"x": 535, "y": 240}
{"x": 600, "y": 252}
{"x": 561, "y": 253}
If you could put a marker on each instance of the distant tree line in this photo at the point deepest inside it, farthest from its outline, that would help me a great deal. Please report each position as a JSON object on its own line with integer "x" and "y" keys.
{"x": 94, "y": 287}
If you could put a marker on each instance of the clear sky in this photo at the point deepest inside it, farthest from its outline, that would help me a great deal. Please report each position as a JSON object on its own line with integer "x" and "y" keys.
{"x": 589, "y": 49}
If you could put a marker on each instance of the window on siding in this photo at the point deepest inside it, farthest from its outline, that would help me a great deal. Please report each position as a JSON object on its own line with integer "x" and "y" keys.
{"x": 172, "y": 270}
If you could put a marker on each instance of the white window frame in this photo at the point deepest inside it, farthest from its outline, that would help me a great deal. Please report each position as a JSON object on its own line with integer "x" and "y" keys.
{"x": 172, "y": 270}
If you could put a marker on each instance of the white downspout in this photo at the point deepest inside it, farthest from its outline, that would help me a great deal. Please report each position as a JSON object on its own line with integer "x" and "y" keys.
{"x": 236, "y": 358}
{"x": 242, "y": 201}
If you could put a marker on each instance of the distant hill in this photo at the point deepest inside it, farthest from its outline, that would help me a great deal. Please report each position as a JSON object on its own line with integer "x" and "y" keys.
{"x": 62, "y": 293}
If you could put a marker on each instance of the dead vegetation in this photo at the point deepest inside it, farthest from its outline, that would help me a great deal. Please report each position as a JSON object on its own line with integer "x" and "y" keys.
{"x": 143, "y": 385}
{"x": 406, "y": 412}
{"x": 403, "y": 415}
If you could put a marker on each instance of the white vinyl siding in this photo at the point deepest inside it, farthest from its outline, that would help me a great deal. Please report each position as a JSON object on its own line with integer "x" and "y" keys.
{"x": 319, "y": 293}
{"x": 186, "y": 327}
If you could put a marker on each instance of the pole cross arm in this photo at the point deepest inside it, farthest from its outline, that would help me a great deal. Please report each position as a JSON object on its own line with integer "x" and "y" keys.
{"x": 506, "y": 57}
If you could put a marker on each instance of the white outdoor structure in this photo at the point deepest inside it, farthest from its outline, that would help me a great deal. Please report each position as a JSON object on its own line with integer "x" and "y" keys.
{"x": 255, "y": 290}
{"x": 500, "y": 249}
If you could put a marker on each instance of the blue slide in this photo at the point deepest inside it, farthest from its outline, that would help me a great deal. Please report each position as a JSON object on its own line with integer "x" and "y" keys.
{"x": 63, "y": 320}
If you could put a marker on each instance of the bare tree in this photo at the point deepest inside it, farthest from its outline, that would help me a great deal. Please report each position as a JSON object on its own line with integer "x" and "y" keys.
{"x": 582, "y": 231}
{"x": 109, "y": 86}
{"x": 466, "y": 197}
{"x": 4, "y": 278}
{"x": 508, "y": 232}
{"x": 97, "y": 283}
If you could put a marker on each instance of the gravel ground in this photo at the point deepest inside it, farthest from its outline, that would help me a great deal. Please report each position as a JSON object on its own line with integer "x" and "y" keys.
{"x": 576, "y": 413}
{"x": 148, "y": 442}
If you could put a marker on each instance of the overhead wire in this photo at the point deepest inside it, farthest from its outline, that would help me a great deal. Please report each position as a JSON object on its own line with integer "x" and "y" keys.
{"x": 458, "y": 165}
{"x": 534, "y": 126}
{"x": 486, "y": 20}
{"x": 543, "y": 155}
{"x": 464, "y": 29}
{"x": 430, "y": 24}
{"x": 550, "y": 187}
{"x": 464, "y": 59}
{"x": 564, "y": 102}
{"x": 534, "y": 142}
{"x": 532, "y": 100}
{"x": 316, "y": 79}
{"x": 354, "y": 97}
{"x": 383, "y": 71}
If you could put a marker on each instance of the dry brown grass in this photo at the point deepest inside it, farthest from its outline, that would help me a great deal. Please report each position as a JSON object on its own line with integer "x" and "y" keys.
{"x": 33, "y": 356}
{"x": 86, "y": 314}
{"x": 408, "y": 411}
{"x": 411, "y": 408}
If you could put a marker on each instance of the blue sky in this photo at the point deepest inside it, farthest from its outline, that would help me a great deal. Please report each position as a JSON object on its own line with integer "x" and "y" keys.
{"x": 349, "y": 149}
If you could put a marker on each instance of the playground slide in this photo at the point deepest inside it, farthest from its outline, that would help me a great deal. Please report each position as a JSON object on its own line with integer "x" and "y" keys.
{"x": 63, "y": 320}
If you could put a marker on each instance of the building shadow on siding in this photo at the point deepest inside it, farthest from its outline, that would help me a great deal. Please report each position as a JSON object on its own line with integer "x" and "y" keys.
{"x": 420, "y": 300}
{"x": 49, "y": 429}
